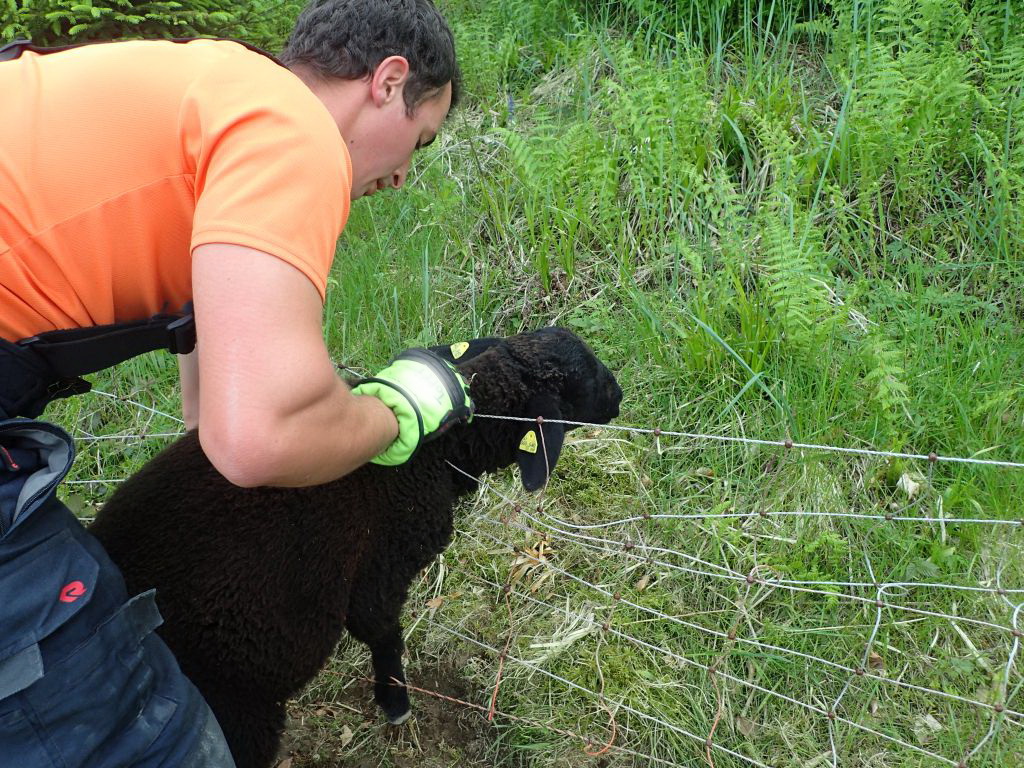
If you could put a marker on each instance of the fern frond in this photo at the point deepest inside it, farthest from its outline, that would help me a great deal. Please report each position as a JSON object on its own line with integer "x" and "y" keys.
{"x": 886, "y": 378}
{"x": 794, "y": 283}
{"x": 527, "y": 161}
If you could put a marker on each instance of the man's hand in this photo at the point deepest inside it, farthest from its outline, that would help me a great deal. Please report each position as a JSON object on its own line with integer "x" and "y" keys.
{"x": 426, "y": 394}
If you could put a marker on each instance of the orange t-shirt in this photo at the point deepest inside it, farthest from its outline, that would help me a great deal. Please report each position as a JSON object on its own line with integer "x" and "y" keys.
{"x": 116, "y": 160}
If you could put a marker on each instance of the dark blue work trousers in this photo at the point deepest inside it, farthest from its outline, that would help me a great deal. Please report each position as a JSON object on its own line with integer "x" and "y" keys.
{"x": 84, "y": 680}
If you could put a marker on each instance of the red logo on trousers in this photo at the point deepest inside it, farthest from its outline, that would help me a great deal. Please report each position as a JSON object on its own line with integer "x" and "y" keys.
{"x": 71, "y": 592}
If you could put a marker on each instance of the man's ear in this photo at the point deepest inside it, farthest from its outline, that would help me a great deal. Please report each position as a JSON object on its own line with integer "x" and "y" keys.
{"x": 388, "y": 80}
{"x": 541, "y": 444}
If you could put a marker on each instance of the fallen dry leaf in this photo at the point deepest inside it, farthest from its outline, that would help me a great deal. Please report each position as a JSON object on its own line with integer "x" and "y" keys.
{"x": 925, "y": 728}
{"x": 825, "y": 758}
{"x": 909, "y": 484}
{"x": 747, "y": 727}
{"x": 528, "y": 559}
{"x": 436, "y": 602}
{"x": 544, "y": 576}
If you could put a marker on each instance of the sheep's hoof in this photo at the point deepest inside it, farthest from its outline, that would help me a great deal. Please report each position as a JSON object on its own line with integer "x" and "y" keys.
{"x": 399, "y": 719}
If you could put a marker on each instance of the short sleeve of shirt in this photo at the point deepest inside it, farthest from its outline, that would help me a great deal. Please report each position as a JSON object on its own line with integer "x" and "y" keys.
{"x": 271, "y": 169}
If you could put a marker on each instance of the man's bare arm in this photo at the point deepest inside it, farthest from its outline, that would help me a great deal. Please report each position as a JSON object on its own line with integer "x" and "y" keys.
{"x": 273, "y": 410}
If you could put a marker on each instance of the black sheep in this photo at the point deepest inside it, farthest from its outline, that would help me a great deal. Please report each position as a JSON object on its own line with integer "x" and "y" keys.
{"x": 256, "y": 584}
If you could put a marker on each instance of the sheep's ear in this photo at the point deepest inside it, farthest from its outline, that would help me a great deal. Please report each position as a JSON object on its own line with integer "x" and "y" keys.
{"x": 541, "y": 444}
{"x": 461, "y": 351}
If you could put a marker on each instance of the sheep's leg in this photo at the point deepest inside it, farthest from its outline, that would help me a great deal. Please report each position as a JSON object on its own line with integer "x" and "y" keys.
{"x": 386, "y": 648}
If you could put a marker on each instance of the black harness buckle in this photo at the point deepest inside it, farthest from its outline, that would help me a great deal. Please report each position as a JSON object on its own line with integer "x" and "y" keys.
{"x": 181, "y": 335}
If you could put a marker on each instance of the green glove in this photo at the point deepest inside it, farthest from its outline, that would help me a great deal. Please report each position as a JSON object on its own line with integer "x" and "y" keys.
{"x": 427, "y": 396}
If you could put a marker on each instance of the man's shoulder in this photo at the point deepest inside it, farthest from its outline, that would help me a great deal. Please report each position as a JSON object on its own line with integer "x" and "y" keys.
{"x": 233, "y": 54}
{"x": 233, "y": 74}
{"x": 170, "y": 65}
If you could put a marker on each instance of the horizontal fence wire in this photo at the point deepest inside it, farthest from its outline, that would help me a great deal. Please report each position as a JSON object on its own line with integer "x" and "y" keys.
{"x": 657, "y": 432}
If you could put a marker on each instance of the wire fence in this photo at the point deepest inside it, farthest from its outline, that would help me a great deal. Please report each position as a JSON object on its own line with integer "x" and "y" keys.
{"x": 601, "y": 613}
{"x": 998, "y": 710}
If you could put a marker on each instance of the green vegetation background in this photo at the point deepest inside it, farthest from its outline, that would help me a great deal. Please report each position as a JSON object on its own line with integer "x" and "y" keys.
{"x": 774, "y": 220}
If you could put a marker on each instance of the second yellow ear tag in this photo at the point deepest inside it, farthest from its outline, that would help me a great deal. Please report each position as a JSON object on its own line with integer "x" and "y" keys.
{"x": 459, "y": 349}
{"x": 529, "y": 442}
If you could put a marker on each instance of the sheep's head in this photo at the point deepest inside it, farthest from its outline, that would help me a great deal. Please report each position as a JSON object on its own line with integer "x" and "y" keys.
{"x": 563, "y": 380}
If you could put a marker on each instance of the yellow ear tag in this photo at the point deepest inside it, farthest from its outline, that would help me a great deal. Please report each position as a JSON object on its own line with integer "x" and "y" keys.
{"x": 459, "y": 349}
{"x": 529, "y": 442}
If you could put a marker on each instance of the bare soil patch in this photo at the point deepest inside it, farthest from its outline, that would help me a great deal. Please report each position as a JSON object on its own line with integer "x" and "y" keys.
{"x": 349, "y": 730}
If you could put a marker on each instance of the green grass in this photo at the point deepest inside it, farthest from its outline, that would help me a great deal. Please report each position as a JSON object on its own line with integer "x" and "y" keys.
{"x": 773, "y": 220}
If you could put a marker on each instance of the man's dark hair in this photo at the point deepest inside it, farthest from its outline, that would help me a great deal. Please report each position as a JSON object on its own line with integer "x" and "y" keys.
{"x": 350, "y": 38}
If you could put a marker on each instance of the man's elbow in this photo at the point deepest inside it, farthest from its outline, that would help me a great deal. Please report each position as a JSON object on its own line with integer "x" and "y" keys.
{"x": 245, "y": 458}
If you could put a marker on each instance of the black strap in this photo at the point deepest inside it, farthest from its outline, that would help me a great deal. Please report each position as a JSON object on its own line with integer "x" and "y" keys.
{"x": 74, "y": 352}
{"x": 27, "y": 385}
{"x": 36, "y": 371}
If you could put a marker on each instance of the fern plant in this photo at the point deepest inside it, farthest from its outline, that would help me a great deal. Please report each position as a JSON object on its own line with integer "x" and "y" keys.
{"x": 885, "y": 382}
{"x": 931, "y": 145}
{"x": 794, "y": 282}
{"x": 51, "y": 22}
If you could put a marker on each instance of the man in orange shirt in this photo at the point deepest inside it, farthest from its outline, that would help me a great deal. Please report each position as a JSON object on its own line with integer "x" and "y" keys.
{"x": 154, "y": 177}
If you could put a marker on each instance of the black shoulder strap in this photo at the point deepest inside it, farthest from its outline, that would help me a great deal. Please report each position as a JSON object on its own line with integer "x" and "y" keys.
{"x": 15, "y": 48}
{"x": 78, "y": 351}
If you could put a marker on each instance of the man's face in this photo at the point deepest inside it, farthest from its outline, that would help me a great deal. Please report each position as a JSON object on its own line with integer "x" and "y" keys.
{"x": 382, "y": 154}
